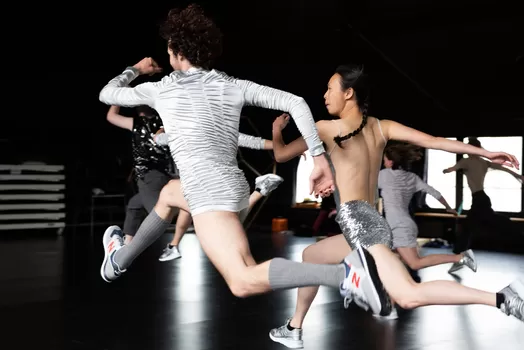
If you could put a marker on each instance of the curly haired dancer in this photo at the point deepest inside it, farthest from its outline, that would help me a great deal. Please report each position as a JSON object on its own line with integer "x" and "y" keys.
{"x": 200, "y": 109}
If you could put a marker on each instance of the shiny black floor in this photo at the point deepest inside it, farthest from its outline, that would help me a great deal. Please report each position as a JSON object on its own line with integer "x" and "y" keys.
{"x": 52, "y": 297}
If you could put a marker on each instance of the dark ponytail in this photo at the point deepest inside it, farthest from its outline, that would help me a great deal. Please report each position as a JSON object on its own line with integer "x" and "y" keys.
{"x": 402, "y": 154}
{"x": 353, "y": 76}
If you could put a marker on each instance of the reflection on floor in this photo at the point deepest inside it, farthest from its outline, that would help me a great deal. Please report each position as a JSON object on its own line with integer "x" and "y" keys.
{"x": 52, "y": 297}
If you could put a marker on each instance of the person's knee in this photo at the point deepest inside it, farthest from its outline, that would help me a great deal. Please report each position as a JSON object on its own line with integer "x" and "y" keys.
{"x": 413, "y": 264}
{"x": 308, "y": 255}
{"x": 239, "y": 285}
{"x": 407, "y": 295}
{"x": 165, "y": 197}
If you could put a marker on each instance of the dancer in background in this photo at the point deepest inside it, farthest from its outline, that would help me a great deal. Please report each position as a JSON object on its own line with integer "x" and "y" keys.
{"x": 152, "y": 163}
{"x": 200, "y": 109}
{"x": 356, "y": 144}
{"x": 154, "y": 168}
{"x": 481, "y": 216}
{"x": 398, "y": 185}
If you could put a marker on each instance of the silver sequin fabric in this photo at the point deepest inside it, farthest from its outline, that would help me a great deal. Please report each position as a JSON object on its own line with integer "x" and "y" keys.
{"x": 362, "y": 225}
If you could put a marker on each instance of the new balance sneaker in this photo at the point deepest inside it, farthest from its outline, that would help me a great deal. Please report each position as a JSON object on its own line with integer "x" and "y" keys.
{"x": 467, "y": 260}
{"x": 392, "y": 316}
{"x": 170, "y": 253}
{"x": 514, "y": 300}
{"x": 362, "y": 284}
{"x": 265, "y": 184}
{"x": 113, "y": 241}
{"x": 290, "y": 338}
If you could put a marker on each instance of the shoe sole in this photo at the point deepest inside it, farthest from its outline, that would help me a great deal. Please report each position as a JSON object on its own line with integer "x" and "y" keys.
{"x": 392, "y": 316}
{"x": 171, "y": 257}
{"x": 373, "y": 286}
{"x": 455, "y": 269}
{"x": 272, "y": 176}
{"x": 292, "y": 344}
{"x": 472, "y": 256}
{"x": 105, "y": 241}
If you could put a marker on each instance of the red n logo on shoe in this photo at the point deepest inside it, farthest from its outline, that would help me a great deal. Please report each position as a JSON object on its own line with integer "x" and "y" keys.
{"x": 111, "y": 246}
{"x": 355, "y": 280}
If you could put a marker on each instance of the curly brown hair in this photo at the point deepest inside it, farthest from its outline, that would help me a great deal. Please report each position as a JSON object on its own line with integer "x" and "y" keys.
{"x": 403, "y": 155}
{"x": 193, "y": 35}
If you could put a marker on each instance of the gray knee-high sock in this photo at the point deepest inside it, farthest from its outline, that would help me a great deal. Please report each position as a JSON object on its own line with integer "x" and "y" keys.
{"x": 286, "y": 274}
{"x": 151, "y": 229}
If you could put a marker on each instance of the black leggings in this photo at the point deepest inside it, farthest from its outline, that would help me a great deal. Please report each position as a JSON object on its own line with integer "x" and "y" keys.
{"x": 482, "y": 221}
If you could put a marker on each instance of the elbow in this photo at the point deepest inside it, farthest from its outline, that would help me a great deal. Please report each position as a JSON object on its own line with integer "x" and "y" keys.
{"x": 279, "y": 158}
{"x": 103, "y": 96}
{"x": 298, "y": 103}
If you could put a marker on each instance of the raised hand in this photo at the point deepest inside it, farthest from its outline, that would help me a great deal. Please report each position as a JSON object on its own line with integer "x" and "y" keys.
{"x": 281, "y": 122}
{"x": 148, "y": 66}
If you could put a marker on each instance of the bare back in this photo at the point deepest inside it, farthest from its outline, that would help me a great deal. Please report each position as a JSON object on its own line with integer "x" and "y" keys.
{"x": 358, "y": 162}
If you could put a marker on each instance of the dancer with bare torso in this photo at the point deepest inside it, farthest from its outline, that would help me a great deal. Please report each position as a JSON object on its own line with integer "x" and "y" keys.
{"x": 481, "y": 216}
{"x": 200, "y": 109}
{"x": 356, "y": 143}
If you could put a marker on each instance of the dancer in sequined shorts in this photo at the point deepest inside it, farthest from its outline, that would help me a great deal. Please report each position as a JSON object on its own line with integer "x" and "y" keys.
{"x": 398, "y": 185}
{"x": 356, "y": 143}
{"x": 200, "y": 109}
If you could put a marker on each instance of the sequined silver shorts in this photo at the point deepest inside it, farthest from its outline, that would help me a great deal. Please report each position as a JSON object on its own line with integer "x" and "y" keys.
{"x": 362, "y": 225}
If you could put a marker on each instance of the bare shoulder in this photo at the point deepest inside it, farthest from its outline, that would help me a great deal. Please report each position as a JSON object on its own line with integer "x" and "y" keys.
{"x": 378, "y": 126}
{"x": 326, "y": 129}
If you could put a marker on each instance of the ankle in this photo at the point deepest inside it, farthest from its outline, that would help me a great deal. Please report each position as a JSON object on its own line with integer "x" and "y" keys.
{"x": 294, "y": 324}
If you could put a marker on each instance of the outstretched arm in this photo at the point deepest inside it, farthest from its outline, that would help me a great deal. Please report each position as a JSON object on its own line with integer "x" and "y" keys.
{"x": 396, "y": 131}
{"x": 321, "y": 180}
{"x": 266, "y": 97}
{"x": 509, "y": 171}
{"x": 119, "y": 120}
{"x": 253, "y": 142}
{"x": 461, "y": 165}
{"x": 117, "y": 92}
{"x": 244, "y": 140}
{"x": 424, "y": 187}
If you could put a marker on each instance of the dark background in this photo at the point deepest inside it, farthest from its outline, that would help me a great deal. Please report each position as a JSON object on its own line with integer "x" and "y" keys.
{"x": 449, "y": 68}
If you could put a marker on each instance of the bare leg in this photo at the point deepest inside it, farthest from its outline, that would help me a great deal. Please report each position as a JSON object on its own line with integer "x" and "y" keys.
{"x": 409, "y": 294}
{"x": 118, "y": 256}
{"x": 224, "y": 241}
{"x": 412, "y": 258}
{"x": 184, "y": 219}
{"x": 331, "y": 250}
{"x": 254, "y": 198}
{"x": 183, "y": 222}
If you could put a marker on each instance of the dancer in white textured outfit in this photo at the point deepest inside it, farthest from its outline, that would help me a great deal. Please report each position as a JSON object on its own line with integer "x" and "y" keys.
{"x": 264, "y": 185}
{"x": 200, "y": 109}
{"x": 356, "y": 144}
{"x": 398, "y": 185}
